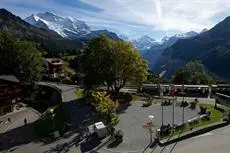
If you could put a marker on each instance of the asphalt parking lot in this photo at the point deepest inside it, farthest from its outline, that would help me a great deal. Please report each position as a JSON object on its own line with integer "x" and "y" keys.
{"x": 136, "y": 138}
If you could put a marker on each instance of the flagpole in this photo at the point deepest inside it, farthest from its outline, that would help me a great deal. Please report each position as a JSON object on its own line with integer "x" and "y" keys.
{"x": 162, "y": 107}
{"x": 173, "y": 90}
{"x": 183, "y": 97}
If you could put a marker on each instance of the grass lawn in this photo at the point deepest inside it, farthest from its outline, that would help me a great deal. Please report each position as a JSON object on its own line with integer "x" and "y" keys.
{"x": 155, "y": 101}
{"x": 137, "y": 98}
{"x": 216, "y": 116}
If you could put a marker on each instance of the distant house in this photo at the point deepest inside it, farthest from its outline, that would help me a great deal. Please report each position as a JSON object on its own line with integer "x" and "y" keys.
{"x": 10, "y": 93}
{"x": 54, "y": 67}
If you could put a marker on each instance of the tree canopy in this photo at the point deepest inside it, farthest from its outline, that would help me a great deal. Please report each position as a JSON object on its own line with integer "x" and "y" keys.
{"x": 105, "y": 107}
{"x": 19, "y": 58}
{"x": 193, "y": 73}
{"x": 112, "y": 62}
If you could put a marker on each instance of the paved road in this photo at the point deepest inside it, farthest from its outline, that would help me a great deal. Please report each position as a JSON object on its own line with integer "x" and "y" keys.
{"x": 17, "y": 119}
{"x": 135, "y": 116}
{"x": 68, "y": 91}
{"x": 27, "y": 143}
{"x": 216, "y": 141}
{"x": 23, "y": 140}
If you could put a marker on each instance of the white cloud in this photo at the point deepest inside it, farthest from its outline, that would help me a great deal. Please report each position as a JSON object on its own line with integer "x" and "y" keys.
{"x": 182, "y": 15}
{"x": 135, "y": 17}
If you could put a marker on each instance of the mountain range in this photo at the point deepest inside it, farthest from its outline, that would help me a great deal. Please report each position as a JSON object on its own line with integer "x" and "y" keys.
{"x": 66, "y": 27}
{"x": 210, "y": 47}
{"x": 55, "y": 34}
{"x": 46, "y": 36}
{"x": 153, "y": 53}
{"x": 144, "y": 43}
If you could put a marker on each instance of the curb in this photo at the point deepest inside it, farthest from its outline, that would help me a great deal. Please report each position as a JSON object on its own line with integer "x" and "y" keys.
{"x": 101, "y": 145}
{"x": 113, "y": 151}
{"x": 197, "y": 132}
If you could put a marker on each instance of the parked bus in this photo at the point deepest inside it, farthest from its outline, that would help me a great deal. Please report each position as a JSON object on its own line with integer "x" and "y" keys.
{"x": 189, "y": 90}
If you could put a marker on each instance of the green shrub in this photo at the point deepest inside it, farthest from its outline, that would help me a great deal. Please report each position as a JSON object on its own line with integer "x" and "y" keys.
{"x": 50, "y": 122}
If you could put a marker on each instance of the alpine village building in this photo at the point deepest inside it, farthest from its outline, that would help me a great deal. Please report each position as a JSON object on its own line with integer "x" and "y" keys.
{"x": 10, "y": 93}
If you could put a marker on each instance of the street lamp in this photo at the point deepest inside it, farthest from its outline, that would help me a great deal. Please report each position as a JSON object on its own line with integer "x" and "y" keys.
{"x": 151, "y": 117}
{"x": 149, "y": 125}
{"x": 162, "y": 95}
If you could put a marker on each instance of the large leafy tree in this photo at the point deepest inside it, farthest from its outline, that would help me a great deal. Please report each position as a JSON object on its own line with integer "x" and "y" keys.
{"x": 105, "y": 107}
{"x": 113, "y": 63}
{"x": 19, "y": 58}
{"x": 96, "y": 62}
{"x": 193, "y": 73}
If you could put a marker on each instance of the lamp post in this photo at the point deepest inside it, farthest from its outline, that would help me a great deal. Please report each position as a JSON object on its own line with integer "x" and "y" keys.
{"x": 151, "y": 117}
{"x": 161, "y": 95}
{"x": 149, "y": 125}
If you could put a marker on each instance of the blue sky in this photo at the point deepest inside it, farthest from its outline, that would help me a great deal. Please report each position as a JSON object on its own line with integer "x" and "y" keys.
{"x": 133, "y": 18}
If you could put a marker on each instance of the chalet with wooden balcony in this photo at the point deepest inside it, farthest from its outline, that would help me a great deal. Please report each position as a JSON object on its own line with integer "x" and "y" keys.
{"x": 54, "y": 67}
{"x": 10, "y": 93}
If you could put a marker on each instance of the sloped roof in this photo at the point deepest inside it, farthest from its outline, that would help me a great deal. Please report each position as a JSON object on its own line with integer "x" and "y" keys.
{"x": 54, "y": 61}
{"x": 10, "y": 78}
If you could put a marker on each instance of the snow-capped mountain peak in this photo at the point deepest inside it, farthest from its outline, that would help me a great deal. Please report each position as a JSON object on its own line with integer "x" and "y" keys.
{"x": 175, "y": 37}
{"x": 204, "y": 30}
{"x": 147, "y": 39}
{"x": 186, "y": 35}
{"x": 164, "y": 39}
{"x": 66, "y": 27}
{"x": 144, "y": 43}
{"x": 123, "y": 37}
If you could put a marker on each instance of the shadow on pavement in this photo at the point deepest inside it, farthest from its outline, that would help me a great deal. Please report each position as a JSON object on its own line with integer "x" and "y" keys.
{"x": 78, "y": 116}
{"x": 64, "y": 147}
{"x": 123, "y": 107}
{"x": 174, "y": 144}
{"x": 152, "y": 146}
{"x": 18, "y": 136}
{"x": 114, "y": 143}
{"x": 90, "y": 143}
